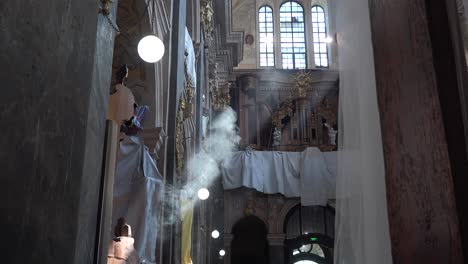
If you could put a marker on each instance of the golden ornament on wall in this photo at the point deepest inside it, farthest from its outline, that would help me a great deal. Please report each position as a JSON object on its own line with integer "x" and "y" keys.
{"x": 303, "y": 82}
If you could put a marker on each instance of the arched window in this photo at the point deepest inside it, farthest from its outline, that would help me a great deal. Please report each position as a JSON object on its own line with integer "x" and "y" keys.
{"x": 293, "y": 46}
{"x": 319, "y": 29}
{"x": 265, "y": 23}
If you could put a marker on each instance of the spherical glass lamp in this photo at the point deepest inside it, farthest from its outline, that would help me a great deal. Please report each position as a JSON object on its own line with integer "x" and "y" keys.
{"x": 151, "y": 49}
{"x": 215, "y": 234}
{"x": 328, "y": 40}
{"x": 203, "y": 194}
{"x": 222, "y": 252}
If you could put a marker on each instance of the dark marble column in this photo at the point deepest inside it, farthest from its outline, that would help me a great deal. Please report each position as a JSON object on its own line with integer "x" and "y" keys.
{"x": 420, "y": 192}
{"x": 227, "y": 247}
{"x": 171, "y": 235}
{"x": 56, "y": 72}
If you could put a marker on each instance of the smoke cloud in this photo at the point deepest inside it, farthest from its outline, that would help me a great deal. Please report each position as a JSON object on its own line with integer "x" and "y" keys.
{"x": 218, "y": 147}
{"x": 204, "y": 168}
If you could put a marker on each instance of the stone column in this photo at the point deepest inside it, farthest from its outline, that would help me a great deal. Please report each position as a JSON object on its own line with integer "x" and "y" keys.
{"x": 419, "y": 178}
{"x": 227, "y": 248}
{"x": 171, "y": 247}
{"x": 276, "y": 248}
{"x": 56, "y": 75}
{"x": 248, "y": 109}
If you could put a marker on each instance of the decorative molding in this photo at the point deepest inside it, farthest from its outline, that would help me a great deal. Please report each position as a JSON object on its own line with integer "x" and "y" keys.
{"x": 302, "y": 84}
{"x": 286, "y": 109}
{"x": 223, "y": 45}
{"x": 207, "y": 17}
{"x": 221, "y": 97}
{"x": 180, "y": 136}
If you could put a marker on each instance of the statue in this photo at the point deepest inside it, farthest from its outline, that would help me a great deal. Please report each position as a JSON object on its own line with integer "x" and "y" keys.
{"x": 207, "y": 16}
{"x": 121, "y": 102}
{"x": 276, "y": 137}
{"x": 331, "y": 134}
{"x": 121, "y": 249}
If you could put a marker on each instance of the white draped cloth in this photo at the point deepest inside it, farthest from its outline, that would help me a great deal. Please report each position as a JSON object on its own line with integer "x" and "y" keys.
{"x": 309, "y": 175}
{"x": 137, "y": 195}
{"x": 362, "y": 231}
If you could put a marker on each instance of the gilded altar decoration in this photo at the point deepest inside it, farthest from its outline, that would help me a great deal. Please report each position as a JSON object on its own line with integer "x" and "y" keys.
{"x": 189, "y": 95}
{"x": 303, "y": 82}
{"x": 180, "y": 149}
{"x": 221, "y": 97}
{"x": 286, "y": 109}
{"x": 207, "y": 12}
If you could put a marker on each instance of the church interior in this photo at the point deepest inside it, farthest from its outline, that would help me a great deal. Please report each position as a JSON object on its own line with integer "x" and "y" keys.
{"x": 234, "y": 131}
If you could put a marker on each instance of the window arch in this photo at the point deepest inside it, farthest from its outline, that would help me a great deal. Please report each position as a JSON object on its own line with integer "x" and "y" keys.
{"x": 319, "y": 29}
{"x": 292, "y": 35}
{"x": 266, "y": 29}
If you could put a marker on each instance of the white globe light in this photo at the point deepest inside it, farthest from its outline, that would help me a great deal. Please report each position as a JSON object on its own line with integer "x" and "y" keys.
{"x": 203, "y": 194}
{"x": 151, "y": 49}
{"x": 222, "y": 252}
{"x": 328, "y": 40}
{"x": 215, "y": 234}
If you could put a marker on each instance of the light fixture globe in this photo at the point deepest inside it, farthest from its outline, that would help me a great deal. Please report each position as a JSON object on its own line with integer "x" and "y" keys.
{"x": 328, "y": 40}
{"x": 203, "y": 194}
{"x": 215, "y": 234}
{"x": 222, "y": 252}
{"x": 151, "y": 49}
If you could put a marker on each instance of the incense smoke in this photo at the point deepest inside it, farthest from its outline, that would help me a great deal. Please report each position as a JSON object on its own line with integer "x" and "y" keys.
{"x": 203, "y": 169}
{"x": 223, "y": 139}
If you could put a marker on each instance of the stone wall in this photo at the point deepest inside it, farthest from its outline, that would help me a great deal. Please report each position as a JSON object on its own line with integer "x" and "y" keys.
{"x": 56, "y": 73}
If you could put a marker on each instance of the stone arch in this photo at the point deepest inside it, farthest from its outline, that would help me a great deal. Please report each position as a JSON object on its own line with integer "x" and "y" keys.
{"x": 278, "y": 227}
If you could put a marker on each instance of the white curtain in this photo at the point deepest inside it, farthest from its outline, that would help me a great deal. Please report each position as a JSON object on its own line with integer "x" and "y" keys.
{"x": 362, "y": 232}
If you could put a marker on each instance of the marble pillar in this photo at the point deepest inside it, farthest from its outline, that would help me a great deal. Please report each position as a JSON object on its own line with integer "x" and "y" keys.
{"x": 227, "y": 248}
{"x": 276, "y": 248}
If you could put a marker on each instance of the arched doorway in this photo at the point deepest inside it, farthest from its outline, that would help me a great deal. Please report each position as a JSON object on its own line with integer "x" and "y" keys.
{"x": 249, "y": 243}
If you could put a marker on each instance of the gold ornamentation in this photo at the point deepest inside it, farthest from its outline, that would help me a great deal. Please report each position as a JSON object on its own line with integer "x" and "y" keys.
{"x": 180, "y": 149}
{"x": 207, "y": 12}
{"x": 221, "y": 98}
{"x": 189, "y": 95}
{"x": 105, "y": 10}
{"x": 286, "y": 109}
{"x": 303, "y": 81}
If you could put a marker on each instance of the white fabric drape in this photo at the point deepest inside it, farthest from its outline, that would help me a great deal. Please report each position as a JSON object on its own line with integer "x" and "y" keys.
{"x": 137, "y": 195}
{"x": 362, "y": 232}
{"x": 310, "y": 175}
